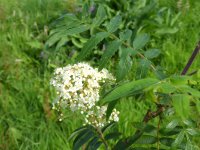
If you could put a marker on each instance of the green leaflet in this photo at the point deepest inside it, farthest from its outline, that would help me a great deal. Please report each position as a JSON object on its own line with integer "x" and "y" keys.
{"x": 172, "y": 124}
{"x": 181, "y": 103}
{"x": 166, "y": 141}
{"x": 152, "y": 53}
{"x": 114, "y": 24}
{"x": 178, "y": 139}
{"x": 77, "y": 131}
{"x": 109, "y": 52}
{"x": 91, "y": 43}
{"x": 65, "y": 20}
{"x": 166, "y": 87}
{"x": 189, "y": 90}
{"x": 66, "y": 32}
{"x": 100, "y": 16}
{"x": 127, "y": 89}
{"x": 113, "y": 135}
{"x": 83, "y": 139}
{"x": 126, "y": 35}
{"x": 146, "y": 139}
{"x": 143, "y": 68}
{"x": 125, "y": 63}
{"x": 140, "y": 41}
{"x": 167, "y": 30}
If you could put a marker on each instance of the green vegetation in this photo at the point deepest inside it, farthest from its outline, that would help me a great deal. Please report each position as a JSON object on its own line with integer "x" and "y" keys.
{"x": 28, "y": 58}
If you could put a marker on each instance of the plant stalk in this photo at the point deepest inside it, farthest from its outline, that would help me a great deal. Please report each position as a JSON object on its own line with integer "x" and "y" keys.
{"x": 190, "y": 61}
{"x": 102, "y": 138}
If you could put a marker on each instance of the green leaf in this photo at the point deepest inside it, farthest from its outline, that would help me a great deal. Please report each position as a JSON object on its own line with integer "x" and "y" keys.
{"x": 172, "y": 124}
{"x": 179, "y": 80}
{"x": 35, "y": 44}
{"x": 107, "y": 127}
{"x": 149, "y": 128}
{"x": 152, "y": 53}
{"x": 110, "y": 107}
{"x": 81, "y": 129}
{"x": 126, "y": 35}
{"x": 80, "y": 134}
{"x": 65, "y": 19}
{"x": 166, "y": 87}
{"x": 167, "y": 30}
{"x": 66, "y": 32}
{"x": 82, "y": 140}
{"x": 125, "y": 63}
{"x": 128, "y": 88}
{"x": 189, "y": 146}
{"x": 174, "y": 131}
{"x": 181, "y": 103}
{"x": 114, "y": 24}
{"x": 178, "y": 139}
{"x": 61, "y": 42}
{"x": 92, "y": 144}
{"x": 109, "y": 52}
{"x": 167, "y": 141}
{"x": 192, "y": 131}
{"x": 140, "y": 41}
{"x": 146, "y": 139}
{"x": 144, "y": 127}
{"x": 125, "y": 143}
{"x": 100, "y": 16}
{"x": 143, "y": 68}
{"x": 91, "y": 43}
{"x": 113, "y": 135}
{"x": 188, "y": 90}
{"x": 159, "y": 72}
{"x": 96, "y": 146}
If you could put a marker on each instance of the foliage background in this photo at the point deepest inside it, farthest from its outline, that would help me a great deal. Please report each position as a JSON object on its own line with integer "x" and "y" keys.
{"x": 27, "y": 121}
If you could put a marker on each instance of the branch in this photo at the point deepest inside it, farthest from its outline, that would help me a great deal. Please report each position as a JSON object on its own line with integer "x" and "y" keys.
{"x": 161, "y": 108}
{"x": 129, "y": 46}
{"x": 153, "y": 114}
{"x": 190, "y": 61}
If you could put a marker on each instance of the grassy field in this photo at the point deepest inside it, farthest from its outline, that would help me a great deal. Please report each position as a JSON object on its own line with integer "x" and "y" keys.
{"x": 26, "y": 118}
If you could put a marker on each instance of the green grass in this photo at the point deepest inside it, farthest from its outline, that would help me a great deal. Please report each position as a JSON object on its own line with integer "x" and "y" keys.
{"x": 27, "y": 121}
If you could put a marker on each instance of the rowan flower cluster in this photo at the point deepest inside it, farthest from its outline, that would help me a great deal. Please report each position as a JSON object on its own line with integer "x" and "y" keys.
{"x": 78, "y": 88}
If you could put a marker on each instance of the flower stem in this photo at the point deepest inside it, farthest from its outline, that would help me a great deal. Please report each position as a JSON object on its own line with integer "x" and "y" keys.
{"x": 102, "y": 138}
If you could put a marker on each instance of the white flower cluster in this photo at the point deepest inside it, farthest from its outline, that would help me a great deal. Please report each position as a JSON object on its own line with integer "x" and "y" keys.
{"x": 78, "y": 87}
{"x": 97, "y": 116}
